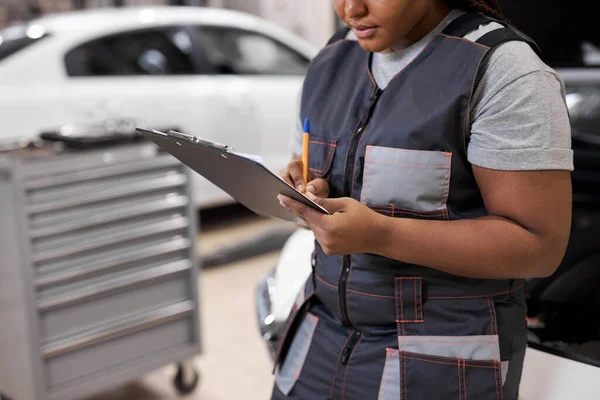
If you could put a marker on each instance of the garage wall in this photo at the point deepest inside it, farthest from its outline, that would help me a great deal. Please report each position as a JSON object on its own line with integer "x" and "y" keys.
{"x": 312, "y": 19}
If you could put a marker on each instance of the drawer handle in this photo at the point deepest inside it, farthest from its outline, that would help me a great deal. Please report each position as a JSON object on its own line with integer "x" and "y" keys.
{"x": 120, "y": 328}
{"x": 116, "y": 284}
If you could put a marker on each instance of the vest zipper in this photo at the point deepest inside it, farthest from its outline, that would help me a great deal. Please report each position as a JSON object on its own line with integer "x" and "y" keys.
{"x": 349, "y": 347}
{"x": 348, "y": 178}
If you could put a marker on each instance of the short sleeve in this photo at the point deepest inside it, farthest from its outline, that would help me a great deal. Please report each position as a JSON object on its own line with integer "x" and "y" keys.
{"x": 519, "y": 117}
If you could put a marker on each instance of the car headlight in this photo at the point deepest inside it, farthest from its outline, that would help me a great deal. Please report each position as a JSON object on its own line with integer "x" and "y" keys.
{"x": 270, "y": 328}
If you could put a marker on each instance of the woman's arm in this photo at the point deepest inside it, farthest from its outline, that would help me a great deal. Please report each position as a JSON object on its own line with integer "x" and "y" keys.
{"x": 524, "y": 236}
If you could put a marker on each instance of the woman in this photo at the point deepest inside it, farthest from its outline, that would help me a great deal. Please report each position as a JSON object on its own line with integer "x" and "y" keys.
{"x": 440, "y": 144}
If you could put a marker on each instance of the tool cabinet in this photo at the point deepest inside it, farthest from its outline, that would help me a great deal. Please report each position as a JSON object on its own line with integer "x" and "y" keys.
{"x": 98, "y": 269}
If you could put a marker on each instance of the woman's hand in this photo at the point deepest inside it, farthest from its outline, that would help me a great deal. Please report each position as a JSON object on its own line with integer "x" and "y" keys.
{"x": 352, "y": 227}
{"x": 292, "y": 174}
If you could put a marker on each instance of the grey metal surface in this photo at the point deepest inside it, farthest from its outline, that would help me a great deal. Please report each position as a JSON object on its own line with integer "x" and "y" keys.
{"x": 102, "y": 279}
{"x": 119, "y": 328}
{"x": 129, "y": 258}
{"x": 75, "y": 365}
{"x": 15, "y": 349}
{"x": 72, "y": 313}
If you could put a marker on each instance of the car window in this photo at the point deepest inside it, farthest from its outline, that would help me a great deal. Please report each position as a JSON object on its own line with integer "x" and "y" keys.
{"x": 234, "y": 51}
{"x": 154, "y": 52}
{"x": 15, "y": 39}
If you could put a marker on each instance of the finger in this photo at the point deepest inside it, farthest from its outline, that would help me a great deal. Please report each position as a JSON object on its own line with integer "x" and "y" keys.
{"x": 300, "y": 210}
{"x": 295, "y": 171}
{"x": 284, "y": 173}
{"x": 319, "y": 187}
{"x": 331, "y": 205}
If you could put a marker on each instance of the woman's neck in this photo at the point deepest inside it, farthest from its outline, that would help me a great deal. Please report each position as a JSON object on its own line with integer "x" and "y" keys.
{"x": 430, "y": 20}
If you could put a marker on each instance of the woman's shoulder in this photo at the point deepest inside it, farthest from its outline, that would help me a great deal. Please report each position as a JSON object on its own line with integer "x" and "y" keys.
{"x": 517, "y": 58}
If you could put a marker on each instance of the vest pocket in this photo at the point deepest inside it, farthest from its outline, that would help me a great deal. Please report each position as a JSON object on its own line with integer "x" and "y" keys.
{"x": 443, "y": 368}
{"x": 406, "y": 182}
{"x": 288, "y": 372}
{"x": 320, "y": 155}
{"x": 443, "y": 378}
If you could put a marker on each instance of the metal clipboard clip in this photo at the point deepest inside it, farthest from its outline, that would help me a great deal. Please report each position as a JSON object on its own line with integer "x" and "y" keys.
{"x": 194, "y": 139}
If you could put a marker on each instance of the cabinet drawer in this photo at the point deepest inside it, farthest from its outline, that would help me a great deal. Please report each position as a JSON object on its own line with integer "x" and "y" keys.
{"x": 69, "y": 161}
{"x": 126, "y": 295}
{"x": 98, "y": 351}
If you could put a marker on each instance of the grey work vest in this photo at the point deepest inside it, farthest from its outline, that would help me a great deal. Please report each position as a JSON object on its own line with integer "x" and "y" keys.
{"x": 366, "y": 326}
{"x": 401, "y": 151}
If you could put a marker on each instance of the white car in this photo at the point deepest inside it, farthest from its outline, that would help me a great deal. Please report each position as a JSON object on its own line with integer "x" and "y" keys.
{"x": 218, "y": 74}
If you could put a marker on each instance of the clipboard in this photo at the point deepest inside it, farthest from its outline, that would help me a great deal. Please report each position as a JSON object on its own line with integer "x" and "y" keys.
{"x": 242, "y": 177}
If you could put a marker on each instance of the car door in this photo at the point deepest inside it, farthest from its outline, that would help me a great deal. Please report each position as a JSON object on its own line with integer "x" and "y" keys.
{"x": 273, "y": 72}
{"x": 156, "y": 78}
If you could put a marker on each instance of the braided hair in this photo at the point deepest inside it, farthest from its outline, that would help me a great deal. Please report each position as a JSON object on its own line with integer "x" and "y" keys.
{"x": 490, "y": 8}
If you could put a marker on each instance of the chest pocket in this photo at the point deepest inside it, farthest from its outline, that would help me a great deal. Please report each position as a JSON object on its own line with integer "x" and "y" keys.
{"x": 400, "y": 182}
{"x": 320, "y": 155}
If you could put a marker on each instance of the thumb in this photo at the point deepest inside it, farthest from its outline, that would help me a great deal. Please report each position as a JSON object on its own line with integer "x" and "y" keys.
{"x": 331, "y": 205}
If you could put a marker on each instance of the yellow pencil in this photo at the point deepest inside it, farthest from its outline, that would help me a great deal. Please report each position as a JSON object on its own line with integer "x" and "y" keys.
{"x": 305, "y": 140}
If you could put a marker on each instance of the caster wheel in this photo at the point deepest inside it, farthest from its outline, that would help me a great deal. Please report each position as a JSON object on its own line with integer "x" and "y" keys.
{"x": 186, "y": 381}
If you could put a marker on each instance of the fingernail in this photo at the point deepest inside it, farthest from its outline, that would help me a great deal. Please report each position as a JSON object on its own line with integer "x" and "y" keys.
{"x": 279, "y": 197}
{"x": 300, "y": 188}
{"x": 310, "y": 188}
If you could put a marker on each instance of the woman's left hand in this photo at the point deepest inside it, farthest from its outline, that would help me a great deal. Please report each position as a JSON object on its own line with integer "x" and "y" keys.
{"x": 352, "y": 228}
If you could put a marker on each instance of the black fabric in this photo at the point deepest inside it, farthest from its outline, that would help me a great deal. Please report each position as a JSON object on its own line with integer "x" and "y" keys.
{"x": 466, "y": 23}
{"x": 497, "y": 37}
{"x": 339, "y": 35}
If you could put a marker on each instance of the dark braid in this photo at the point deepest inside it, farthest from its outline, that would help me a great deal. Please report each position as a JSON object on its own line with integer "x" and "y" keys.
{"x": 491, "y": 8}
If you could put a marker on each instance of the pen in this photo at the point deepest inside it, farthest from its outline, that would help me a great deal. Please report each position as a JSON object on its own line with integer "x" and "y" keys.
{"x": 305, "y": 140}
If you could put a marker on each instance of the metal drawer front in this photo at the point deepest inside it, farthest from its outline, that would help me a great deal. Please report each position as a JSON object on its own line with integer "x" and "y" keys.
{"x": 86, "y": 160}
{"x": 114, "y": 254}
{"x": 77, "y": 317}
{"x": 41, "y": 222}
{"x": 97, "y": 186}
{"x": 99, "y": 350}
{"x": 152, "y": 252}
{"x": 112, "y": 193}
{"x": 118, "y": 240}
{"x": 68, "y": 309}
{"x": 70, "y": 177}
{"x": 104, "y": 232}
{"x": 115, "y": 215}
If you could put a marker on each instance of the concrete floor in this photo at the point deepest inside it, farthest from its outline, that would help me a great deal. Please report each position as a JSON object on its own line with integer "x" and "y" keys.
{"x": 235, "y": 363}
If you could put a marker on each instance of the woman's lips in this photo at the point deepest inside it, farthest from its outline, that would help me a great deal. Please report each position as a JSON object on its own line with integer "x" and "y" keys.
{"x": 363, "y": 32}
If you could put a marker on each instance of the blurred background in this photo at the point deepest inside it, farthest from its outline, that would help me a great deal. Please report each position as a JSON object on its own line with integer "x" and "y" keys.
{"x": 311, "y": 19}
{"x": 124, "y": 275}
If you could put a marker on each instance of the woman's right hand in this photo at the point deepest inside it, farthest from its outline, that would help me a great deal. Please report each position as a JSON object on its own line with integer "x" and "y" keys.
{"x": 292, "y": 174}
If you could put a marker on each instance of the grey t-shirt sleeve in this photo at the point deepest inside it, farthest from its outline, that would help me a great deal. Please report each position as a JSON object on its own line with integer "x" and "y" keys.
{"x": 519, "y": 118}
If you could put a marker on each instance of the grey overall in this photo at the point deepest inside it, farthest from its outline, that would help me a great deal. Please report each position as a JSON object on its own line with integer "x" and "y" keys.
{"x": 369, "y": 327}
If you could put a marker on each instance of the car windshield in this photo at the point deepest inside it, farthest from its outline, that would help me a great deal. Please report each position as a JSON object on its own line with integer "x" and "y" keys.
{"x": 17, "y": 38}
